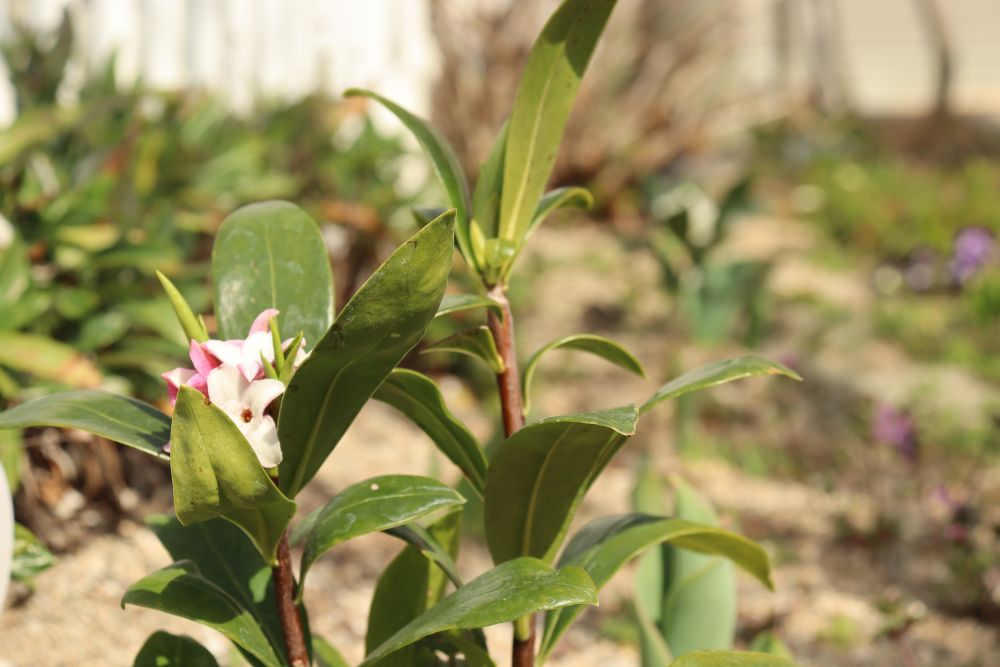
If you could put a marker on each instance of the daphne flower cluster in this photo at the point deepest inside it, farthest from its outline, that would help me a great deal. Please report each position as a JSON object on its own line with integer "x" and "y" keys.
{"x": 231, "y": 373}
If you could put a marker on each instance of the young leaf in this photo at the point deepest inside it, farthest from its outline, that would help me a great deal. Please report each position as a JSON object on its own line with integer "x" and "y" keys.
{"x": 443, "y": 159}
{"x": 374, "y": 505}
{"x": 417, "y": 397}
{"x": 603, "y": 546}
{"x": 180, "y": 590}
{"x": 597, "y": 345}
{"x": 372, "y": 334}
{"x": 477, "y": 343}
{"x": 453, "y": 303}
{"x": 544, "y": 98}
{"x": 538, "y": 476}
{"x": 216, "y": 473}
{"x": 730, "y": 659}
{"x": 271, "y": 255}
{"x": 192, "y": 326}
{"x": 699, "y": 591}
{"x": 225, "y": 556}
{"x": 576, "y": 197}
{"x": 119, "y": 418}
{"x": 717, "y": 373}
{"x": 47, "y": 359}
{"x": 489, "y": 186}
{"x": 163, "y": 649}
{"x": 509, "y": 591}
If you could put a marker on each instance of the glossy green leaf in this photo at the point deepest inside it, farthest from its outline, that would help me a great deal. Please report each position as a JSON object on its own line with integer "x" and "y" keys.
{"x": 163, "y": 649}
{"x": 225, "y": 556}
{"x": 730, "y": 659}
{"x": 216, "y": 473}
{"x": 443, "y": 159}
{"x": 400, "y": 597}
{"x": 596, "y": 345}
{"x": 717, "y": 373}
{"x": 538, "y": 476}
{"x": 378, "y": 326}
{"x": 271, "y": 255}
{"x": 374, "y": 505}
{"x": 326, "y": 655}
{"x": 420, "y": 538}
{"x": 509, "y": 591}
{"x": 603, "y": 546}
{"x": 193, "y": 328}
{"x": 454, "y": 303}
{"x": 47, "y": 359}
{"x": 699, "y": 605}
{"x": 30, "y": 556}
{"x": 542, "y": 104}
{"x": 180, "y": 590}
{"x": 417, "y": 397}
{"x": 119, "y": 418}
{"x": 410, "y": 584}
{"x": 477, "y": 343}
{"x": 489, "y": 186}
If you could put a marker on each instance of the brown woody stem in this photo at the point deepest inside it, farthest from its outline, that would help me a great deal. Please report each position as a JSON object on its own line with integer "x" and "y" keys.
{"x": 512, "y": 409}
{"x": 291, "y": 621}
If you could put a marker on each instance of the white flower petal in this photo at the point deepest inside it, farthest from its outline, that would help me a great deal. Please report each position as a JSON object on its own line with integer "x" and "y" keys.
{"x": 226, "y": 351}
{"x": 254, "y": 347}
{"x": 226, "y": 386}
{"x": 262, "y": 434}
{"x": 260, "y": 393}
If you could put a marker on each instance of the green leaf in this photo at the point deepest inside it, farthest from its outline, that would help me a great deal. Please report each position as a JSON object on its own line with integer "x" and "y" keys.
{"x": 216, "y": 473}
{"x": 11, "y": 456}
{"x": 372, "y": 334}
{"x": 15, "y": 273}
{"x": 699, "y": 602}
{"x": 538, "y": 476}
{"x": 576, "y": 197}
{"x": 47, "y": 359}
{"x": 770, "y": 643}
{"x": 544, "y": 98}
{"x": 477, "y": 343}
{"x": 326, "y": 655}
{"x": 225, "y": 556}
{"x": 603, "y": 546}
{"x": 717, "y": 373}
{"x": 653, "y": 649}
{"x": 443, "y": 159}
{"x": 507, "y": 592}
{"x": 374, "y": 505}
{"x": 453, "y": 303}
{"x": 180, "y": 590}
{"x": 192, "y": 326}
{"x": 119, "y": 418}
{"x": 410, "y": 584}
{"x": 489, "y": 187}
{"x": 400, "y": 597}
{"x": 271, "y": 255}
{"x": 30, "y": 555}
{"x": 730, "y": 659}
{"x": 420, "y": 538}
{"x": 597, "y": 345}
{"x": 417, "y": 397}
{"x": 163, "y": 649}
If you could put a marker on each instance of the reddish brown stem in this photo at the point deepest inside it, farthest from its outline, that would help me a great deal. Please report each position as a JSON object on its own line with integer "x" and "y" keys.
{"x": 512, "y": 409}
{"x": 508, "y": 382}
{"x": 291, "y": 621}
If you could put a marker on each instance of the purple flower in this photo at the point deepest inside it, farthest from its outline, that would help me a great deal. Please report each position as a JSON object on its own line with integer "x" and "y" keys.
{"x": 974, "y": 247}
{"x": 896, "y": 428}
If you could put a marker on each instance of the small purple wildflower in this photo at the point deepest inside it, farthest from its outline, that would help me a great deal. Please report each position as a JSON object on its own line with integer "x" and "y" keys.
{"x": 974, "y": 247}
{"x": 896, "y": 428}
